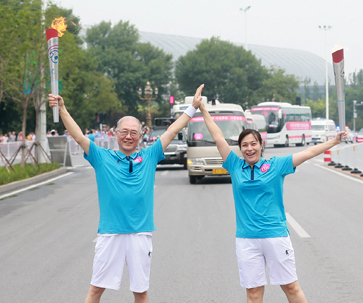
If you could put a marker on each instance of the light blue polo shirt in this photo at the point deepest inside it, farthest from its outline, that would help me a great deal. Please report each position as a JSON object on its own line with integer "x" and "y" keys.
{"x": 126, "y": 200}
{"x": 258, "y": 195}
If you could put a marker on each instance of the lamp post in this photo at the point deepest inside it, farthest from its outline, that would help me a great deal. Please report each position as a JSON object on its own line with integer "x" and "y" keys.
{"x": 148, "y": 97}
{"x": 354, "y": 114}
{"x": 355, "y": 105}
{"x": 245, "y": 10}
{"x": 325, "y": 28}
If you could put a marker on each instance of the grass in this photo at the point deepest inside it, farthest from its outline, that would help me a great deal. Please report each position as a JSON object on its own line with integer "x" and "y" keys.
{"x": 24, "y": 173}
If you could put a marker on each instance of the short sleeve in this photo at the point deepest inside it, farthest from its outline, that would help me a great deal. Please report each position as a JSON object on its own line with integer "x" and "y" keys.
{"x": 284, "y": 165}
{"x": 155, "y": 151}
{"x": 94, "y": 154}
{"x": 232, "y": 162}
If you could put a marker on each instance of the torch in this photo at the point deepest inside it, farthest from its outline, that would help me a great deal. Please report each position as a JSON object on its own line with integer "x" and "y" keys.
{"x": 52, "y": 40}
{"x": 57, "y": 28}
{"x": 338, "y": 66}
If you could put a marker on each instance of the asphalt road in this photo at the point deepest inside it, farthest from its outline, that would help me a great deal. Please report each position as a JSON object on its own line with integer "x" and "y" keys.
{"x": 48, "y": 233}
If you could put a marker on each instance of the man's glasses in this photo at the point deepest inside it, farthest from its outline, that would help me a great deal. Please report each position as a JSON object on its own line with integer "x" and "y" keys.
{"x": 124, "y": 132}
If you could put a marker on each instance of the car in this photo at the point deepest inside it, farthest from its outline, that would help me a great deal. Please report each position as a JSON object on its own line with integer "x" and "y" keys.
{"x": 176, "y": 152}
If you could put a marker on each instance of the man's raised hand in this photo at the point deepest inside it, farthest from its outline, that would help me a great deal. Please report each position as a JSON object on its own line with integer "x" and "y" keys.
{"x": 54, "y": 100}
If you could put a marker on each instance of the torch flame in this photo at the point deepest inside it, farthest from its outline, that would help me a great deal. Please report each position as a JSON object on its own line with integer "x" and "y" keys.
{"x": 59, "y": 25}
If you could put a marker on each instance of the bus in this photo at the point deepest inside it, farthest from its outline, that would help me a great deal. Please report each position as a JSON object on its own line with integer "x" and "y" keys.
{"x": 203, "y": 158}
{"x": 178, "y": 109}
{"x": 286, "y": 123}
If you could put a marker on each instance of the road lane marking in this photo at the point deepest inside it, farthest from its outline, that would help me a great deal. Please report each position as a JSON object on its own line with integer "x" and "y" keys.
{"x": 165, "y": 172}
{"x": 340, "y": 174}
{"x": 296, "y": 226}
{"x": 34, "y": 185}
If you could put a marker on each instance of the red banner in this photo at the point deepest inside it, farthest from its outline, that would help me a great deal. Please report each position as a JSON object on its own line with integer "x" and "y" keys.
{"x": 253, "y": 109}
{"x": 298, "y": 125}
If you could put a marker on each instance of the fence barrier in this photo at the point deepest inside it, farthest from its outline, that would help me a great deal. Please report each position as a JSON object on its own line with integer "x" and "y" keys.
{"x": 10, "y": 148}
{"x": 349, "y": 157}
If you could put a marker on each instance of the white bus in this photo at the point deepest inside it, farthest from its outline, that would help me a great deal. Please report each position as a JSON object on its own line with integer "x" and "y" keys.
{"x": 202, "y": 153}
{"x": 286, "y": 123}
{"x": 178, "y": 109}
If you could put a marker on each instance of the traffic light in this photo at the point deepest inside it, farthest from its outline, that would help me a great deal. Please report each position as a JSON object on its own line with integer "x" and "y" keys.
{"x": 97, "y": 117}
{"x": 103, "y": 117}
{"x": 171, "y": 100}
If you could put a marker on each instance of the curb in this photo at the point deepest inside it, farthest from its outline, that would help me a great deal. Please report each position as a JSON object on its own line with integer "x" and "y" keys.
{"x": 23, "y": 183}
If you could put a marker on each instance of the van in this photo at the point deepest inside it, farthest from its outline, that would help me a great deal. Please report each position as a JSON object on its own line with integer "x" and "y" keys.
{"x": 202, "y": 153}
{"x": 322, "y": 130}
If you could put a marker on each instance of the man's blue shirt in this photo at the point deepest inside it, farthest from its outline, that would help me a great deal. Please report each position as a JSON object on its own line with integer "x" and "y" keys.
{"x": 126, "y": 199}
{"x": 258, "y": 195}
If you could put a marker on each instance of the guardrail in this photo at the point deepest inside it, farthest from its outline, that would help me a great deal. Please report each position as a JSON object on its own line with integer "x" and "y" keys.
{"x": 349, "y": 157}
{"x": 10, "y": 148}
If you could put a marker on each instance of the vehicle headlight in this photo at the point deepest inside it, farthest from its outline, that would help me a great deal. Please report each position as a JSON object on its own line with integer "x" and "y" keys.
{"x": 195, "y": 161}
{"x": 181, "y": 148}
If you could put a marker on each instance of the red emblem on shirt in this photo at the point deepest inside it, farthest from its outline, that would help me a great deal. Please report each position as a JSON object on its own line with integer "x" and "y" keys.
{"x": 138, "y": 159}
{"x": 265, "y": 168}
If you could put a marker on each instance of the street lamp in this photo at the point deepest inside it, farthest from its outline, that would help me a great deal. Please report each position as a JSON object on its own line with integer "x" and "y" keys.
{"x": 245, "y": 10}
{"x": 148, "y": 96}
{"x": 325, "y": 28}
{"x": 355, "y": 105}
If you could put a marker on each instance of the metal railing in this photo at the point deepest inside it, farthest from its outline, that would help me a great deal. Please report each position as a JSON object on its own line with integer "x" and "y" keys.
{"x": 10, "y": 148}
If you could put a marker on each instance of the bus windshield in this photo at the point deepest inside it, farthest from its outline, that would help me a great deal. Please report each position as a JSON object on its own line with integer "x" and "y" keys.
{"x": 231, "y": 126}
{"x": 273, "y": 122}
{"x": 317, "y": 127}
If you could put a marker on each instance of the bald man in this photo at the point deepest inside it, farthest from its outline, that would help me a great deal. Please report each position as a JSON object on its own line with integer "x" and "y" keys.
{"x": 125, "y": 181}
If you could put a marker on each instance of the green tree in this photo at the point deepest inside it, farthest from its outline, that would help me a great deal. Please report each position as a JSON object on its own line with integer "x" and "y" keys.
{"x": 128, "y": 63}
{"x": 84, "y": 89}
{"x": 229, "y": 72}
{"x": 317, "y": 108}
{"x": 25, "y": 58}
{"x": 279, "y": 87}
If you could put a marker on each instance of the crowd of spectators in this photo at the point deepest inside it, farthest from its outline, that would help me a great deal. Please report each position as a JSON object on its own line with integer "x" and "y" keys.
{"x": 11, "y": 137}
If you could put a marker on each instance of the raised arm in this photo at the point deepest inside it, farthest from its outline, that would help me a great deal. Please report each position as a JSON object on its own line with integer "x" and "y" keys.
{"x": 182, "y": 121}
{"x": 316, "y": 150}
{"x": 71, "y": 125}
{"x": 216, "y": 133}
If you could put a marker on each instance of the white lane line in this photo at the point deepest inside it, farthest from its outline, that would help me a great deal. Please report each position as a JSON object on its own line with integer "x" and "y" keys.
{"x": 35, "y": 185}
{"x": 296, "y": 226}
{"x": 340, "y": 174}
{"x": 165, "y": 172}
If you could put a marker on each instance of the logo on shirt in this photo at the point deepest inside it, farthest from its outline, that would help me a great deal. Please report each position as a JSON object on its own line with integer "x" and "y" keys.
{"x": 265, "y": 168}
{"x": 138, "y": 159}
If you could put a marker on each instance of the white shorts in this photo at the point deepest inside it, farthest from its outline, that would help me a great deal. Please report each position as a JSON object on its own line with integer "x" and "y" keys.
{"x": 111, "y": 253}
{"x": 254, "y": 255}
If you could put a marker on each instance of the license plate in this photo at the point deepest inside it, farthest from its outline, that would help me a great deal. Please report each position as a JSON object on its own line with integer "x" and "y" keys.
{"x": 219, "y": 171}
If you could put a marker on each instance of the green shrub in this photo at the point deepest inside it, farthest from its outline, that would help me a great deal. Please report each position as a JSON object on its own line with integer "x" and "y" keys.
{"x": 24, "y": 173}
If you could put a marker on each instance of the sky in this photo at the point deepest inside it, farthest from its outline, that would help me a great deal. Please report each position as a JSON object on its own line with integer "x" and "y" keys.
{"x": 292, "y": 24}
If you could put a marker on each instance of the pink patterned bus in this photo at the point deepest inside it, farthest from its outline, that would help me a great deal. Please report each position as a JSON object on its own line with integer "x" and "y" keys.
{"x": 285, "y": 123}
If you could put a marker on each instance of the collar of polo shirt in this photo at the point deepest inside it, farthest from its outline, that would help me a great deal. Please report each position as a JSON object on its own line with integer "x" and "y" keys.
{"x": 258, "y": 164}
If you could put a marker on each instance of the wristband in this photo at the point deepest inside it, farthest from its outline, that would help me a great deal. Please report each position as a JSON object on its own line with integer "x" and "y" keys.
{"x": 190, "y": 111}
